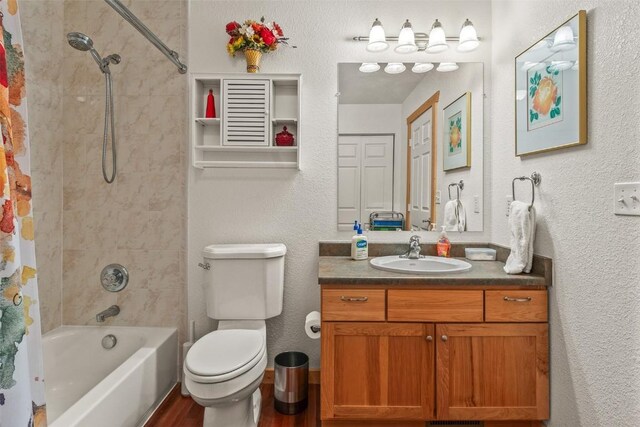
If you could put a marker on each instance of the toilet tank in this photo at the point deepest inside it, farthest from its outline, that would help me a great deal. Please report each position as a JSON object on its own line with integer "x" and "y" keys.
{"x": 244, "y": 281}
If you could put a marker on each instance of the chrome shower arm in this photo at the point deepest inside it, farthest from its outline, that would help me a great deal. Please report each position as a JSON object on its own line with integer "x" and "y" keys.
{"x": 138, "y": 25}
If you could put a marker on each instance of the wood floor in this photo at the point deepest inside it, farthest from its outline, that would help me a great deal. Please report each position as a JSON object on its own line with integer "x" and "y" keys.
{"x": 178, "y": 411}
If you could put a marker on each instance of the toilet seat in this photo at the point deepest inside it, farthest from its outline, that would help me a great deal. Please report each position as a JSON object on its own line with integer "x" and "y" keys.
{"x": 224, "y": 354}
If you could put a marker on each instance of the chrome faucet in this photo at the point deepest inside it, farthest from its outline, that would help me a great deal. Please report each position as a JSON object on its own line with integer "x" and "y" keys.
{"x": 414, "y": 248}
{"x": 114, "y": 310}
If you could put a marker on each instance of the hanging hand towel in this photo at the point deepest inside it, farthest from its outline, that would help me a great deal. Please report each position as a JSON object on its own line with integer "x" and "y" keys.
{"x": 522, "y": 225}
{"x": 455, "y": 217}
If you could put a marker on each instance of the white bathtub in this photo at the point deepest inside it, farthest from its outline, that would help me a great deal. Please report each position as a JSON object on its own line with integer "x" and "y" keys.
{"x": 87, "y": 385}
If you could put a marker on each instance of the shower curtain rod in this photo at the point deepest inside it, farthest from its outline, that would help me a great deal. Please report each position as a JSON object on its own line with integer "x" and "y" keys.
{"x": 138, "y": 25}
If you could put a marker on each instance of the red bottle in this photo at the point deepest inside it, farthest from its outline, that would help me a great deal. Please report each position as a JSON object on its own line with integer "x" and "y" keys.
{"x": 211, "y": 106}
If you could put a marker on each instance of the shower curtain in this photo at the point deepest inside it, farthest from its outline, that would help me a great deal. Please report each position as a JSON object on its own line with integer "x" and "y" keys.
{"x": 21, "y": 375}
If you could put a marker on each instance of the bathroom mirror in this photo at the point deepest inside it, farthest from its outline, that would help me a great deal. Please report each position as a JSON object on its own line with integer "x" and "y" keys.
{"x": 407, "y": 144}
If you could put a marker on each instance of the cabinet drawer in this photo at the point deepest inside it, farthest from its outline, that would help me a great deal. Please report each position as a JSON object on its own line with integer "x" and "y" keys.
{"x": 353, "y": 304}
{"x": 516, "y": 306}
{"x": 435, "y": 306}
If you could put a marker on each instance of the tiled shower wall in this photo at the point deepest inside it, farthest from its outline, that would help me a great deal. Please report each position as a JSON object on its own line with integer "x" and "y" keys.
{"x": 139, "y": 220}
{"x": 43, "y": 44}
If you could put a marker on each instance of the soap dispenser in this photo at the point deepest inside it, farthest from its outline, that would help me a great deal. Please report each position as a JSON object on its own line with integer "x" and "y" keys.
{"x": 359, "y": 246}
{"x": 443, "y": 247}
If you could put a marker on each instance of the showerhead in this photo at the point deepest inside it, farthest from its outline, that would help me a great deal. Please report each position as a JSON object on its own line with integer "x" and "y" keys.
{"x": 80, "y": 41}
{"x": 83, "y": 43}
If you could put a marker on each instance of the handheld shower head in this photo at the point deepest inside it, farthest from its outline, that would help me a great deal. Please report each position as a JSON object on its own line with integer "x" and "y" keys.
{"x": 83, "y": 43}
{"x": 80, "y": 41}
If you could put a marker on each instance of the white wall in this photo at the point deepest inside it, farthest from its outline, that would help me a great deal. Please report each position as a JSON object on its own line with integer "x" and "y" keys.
{"x": 378, "y": 118}
{"x": 298, "y": 208}
{"x": 595, "y": 300}
{"x": 469, "y": 78}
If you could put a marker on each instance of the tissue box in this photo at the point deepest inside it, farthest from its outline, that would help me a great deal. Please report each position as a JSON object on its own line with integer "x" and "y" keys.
{"x": 480, "y": 254}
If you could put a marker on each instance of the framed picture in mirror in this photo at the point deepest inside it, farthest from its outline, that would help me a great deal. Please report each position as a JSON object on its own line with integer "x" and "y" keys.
{"x": 456, "y": 147}
{"x": 551, "y": 90}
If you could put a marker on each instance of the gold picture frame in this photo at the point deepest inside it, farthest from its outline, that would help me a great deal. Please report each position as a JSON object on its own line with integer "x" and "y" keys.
{"x": 457, "y": 115}
{"x": 551, "y": 90}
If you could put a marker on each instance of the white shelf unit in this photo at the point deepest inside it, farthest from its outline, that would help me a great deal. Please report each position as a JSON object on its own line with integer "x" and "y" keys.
{"x": 282, "y": 108}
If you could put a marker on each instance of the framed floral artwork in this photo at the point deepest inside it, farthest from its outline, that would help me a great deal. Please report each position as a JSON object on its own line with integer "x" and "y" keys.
{"x": 551, "y": 80}
{"x": 456, "y": 140}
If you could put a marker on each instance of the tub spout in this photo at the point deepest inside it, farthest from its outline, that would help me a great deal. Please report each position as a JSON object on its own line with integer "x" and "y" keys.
{"x": 109, "y": 312}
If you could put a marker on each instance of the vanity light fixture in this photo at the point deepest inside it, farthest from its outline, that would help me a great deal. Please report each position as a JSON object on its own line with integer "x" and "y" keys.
{"x": 563, "y": 40}
{"x": 445, "y": 67}
{"x": 369, "y": 67}
{"x": 406, "y": 39}
{"x": 422, "y": 67}
{"x": 468, "y": 37}
{"x": 437, "y": 39}
{"x": 409, "y": 41}
{"x": 394, "y": 68}
{"x": 377, "y": 38}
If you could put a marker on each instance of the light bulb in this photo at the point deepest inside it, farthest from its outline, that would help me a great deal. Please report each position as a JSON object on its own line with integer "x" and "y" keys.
{"x": 377, "y": 38}
{"x": 437, "y": 39}
{"x": 406, "y": 39}
{"x": 563, "y": 40}
{"x": 468, "y": 37}
{"x": 422, "y": 67}
{"x": 394, "y": 68}
{"x": 369, "y": 67}
{"x": 445, "y": 67}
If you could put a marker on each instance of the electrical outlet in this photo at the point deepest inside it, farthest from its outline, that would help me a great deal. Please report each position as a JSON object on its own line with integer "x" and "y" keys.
{"x": 476, "y": 204}
{"x": 509, "y": 200}
{"x": 438, "y": 197}
{"x": 626, "y": 198}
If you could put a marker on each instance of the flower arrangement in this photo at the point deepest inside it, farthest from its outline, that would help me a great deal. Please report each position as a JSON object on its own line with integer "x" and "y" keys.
{"x": 252, "y": 35}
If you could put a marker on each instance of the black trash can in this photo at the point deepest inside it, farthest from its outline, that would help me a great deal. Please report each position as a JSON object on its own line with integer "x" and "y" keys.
{"x": 291, "y": 382}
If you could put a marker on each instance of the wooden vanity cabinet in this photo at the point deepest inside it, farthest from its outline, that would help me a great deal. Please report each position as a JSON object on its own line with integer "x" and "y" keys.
{"x": 411, "y": 362}
{"x": 377, "y": 370}
{"x": 492, "y": 371}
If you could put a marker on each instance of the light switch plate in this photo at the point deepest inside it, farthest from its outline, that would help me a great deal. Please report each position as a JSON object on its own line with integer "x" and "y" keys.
{"x": 626, "y": 198}
{"x": 509, "y": 200}
{"x": 476, "y": 204}
{"x": 438, "y": 197}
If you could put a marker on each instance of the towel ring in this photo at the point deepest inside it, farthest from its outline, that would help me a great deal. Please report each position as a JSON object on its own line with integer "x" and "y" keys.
{"x": 535, "y": 179}
{"x": 459, "y": 187}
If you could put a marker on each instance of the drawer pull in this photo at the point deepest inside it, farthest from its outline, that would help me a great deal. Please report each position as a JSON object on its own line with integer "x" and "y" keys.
{"x": 511, "y": 299}
{"x": 354, "y": 299}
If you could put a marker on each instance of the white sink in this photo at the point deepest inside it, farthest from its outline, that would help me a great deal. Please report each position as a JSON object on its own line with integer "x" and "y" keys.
{"x": 423, "y": 265}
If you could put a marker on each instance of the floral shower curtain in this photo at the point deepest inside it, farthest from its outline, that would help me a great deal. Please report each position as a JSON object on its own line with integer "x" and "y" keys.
{"x": 21, "y": 376}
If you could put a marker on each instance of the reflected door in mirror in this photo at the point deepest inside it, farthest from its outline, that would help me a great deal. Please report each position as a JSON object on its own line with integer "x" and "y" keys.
{"x": 365, "y": 177}
{"x": 421, "y": 174}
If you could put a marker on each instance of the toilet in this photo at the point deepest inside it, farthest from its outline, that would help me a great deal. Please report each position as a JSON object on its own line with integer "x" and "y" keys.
{"x": 223, "y": 370}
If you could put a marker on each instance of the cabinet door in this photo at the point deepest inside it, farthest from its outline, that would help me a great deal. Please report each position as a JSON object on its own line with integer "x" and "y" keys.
{"x": 377, "y": 371}
{"x": 245, "y": 114}
{"x": 492, "y": 371}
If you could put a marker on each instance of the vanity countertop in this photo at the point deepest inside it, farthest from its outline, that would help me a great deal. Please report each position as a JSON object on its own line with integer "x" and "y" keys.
{"x": 342, "y": 270}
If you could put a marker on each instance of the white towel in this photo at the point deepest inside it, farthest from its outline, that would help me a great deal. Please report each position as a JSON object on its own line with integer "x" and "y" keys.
{"x": 455, "y": 217}
{"x": 522, "y": 225}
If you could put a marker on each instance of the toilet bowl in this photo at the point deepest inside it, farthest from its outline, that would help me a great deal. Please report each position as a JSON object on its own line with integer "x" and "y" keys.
{"x": 223, "y": 370}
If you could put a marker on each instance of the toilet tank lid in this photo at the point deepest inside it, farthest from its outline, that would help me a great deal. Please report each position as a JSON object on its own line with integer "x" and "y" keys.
{"x": 244, "y": 251}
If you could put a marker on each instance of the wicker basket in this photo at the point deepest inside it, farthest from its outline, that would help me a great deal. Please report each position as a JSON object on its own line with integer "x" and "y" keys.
{"x": 253, "y": 60}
